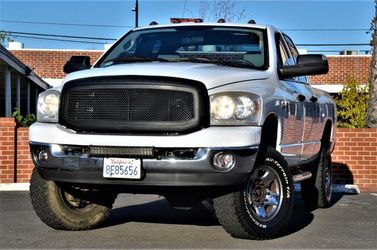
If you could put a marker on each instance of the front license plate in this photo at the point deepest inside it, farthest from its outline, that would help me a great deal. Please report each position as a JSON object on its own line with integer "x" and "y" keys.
{"x": 121, "y": 168}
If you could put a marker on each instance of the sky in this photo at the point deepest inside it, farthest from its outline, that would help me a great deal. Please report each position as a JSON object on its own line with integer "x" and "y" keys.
{"x": 351, "y": 19}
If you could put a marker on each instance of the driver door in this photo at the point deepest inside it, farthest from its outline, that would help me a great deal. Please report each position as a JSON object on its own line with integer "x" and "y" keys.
{"x": 293, "y": 126}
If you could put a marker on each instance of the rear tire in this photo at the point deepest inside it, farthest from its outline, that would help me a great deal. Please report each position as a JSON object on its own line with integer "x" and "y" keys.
{"x": 64, "y": 207}
{"x": 316, "y": 191}
{"x": 263, "y": 208}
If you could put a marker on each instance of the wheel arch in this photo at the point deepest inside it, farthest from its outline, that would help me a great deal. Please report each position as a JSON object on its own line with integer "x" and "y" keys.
{"x": 269, "y": 136}
{"x": 327, "y": 134}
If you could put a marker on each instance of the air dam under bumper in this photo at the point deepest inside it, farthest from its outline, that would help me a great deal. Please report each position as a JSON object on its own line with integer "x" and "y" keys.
{"x": 160, "y": 171}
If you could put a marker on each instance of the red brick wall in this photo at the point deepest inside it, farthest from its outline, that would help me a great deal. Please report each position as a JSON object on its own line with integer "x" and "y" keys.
{"x": 7, "y": 149}
{"x": 355, "y": 158}
{"x": 24, "y": 162}
{"x": 343, "y": 67}
{"x": 49, "y": 63}
{"x": 7, "y": 130}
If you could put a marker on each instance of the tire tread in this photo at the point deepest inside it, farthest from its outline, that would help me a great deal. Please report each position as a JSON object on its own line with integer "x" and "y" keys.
{"x": 229, "y": 212}
{"x": 44, "y": 201}
{"x": 312, "y": 190}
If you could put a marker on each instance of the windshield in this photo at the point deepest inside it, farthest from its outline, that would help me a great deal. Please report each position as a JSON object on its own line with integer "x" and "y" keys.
{"x": 235, "y": 47}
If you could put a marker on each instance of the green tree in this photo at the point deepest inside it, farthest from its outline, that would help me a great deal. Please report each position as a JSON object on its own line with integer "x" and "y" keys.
{"x": 352, "y": 105}
{"x": 23, "y": 121}
{"x": 4, "y": 37}
{"x": 371, "y": 120}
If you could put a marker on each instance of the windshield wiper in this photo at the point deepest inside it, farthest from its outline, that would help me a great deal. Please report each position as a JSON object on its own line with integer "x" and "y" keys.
{"x": 134, "y": 59}
{"x": 197, "y": 59}
{"x": 240, "y": 64}
{"x": 237, "y": 63}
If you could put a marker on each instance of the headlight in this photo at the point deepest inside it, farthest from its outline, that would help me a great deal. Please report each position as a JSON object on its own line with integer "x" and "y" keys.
{"x": 48, "y": 106}
{"x": 222, "y": 107}
{"x": 235, "y": 108}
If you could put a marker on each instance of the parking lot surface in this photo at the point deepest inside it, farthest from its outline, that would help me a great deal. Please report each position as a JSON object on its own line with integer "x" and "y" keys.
{"x": 147, "y": 221}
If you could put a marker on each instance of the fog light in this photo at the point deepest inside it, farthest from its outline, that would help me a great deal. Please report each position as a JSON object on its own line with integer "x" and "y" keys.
{"x": 43, "y": 156}
{"x": 223, "y": 161}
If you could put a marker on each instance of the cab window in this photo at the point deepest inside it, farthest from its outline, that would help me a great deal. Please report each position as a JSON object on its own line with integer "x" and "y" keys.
{"x": 291, "y": 46}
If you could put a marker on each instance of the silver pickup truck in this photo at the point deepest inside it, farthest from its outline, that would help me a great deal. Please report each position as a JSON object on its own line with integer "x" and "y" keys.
{"x": 194, "y": 112}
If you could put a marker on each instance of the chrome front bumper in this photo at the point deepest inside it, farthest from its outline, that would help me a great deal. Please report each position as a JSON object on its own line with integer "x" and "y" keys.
{"x": 79, "y": 167}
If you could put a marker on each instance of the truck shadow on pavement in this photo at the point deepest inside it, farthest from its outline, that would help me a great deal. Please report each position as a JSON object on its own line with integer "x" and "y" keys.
{"x": 161, "y": 212}
{"x": 303, "y": 216}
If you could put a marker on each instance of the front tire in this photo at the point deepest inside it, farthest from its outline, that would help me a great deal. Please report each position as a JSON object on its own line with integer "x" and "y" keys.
{"x": 65, "y": 207}
{"x": 263, "y": 208}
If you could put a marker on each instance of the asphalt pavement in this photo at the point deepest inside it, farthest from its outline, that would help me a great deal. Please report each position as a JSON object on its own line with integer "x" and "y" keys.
{"x": 148, "y": 221}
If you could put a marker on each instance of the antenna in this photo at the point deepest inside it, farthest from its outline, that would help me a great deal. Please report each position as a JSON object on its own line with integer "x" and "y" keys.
{"x": 136, "y": 10}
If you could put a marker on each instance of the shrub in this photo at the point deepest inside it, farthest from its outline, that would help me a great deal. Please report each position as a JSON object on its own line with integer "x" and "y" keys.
{"x": 23, "y": 121}
{"x": 352, "y": 104}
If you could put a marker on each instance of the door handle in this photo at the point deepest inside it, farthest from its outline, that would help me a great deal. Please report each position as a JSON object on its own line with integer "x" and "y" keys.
{"x": 301, "y": 98}
{"x": 313, "y": 99}
{"x": 284, "y": 104}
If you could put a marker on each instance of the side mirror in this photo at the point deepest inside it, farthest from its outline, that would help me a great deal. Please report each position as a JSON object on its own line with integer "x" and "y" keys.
{"x": 76, "y": 63}
{"x": 306, "y": 65}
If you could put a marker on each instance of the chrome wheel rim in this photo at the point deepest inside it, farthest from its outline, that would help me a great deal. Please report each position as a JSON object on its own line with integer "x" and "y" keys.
{"x": 73, "y": 202}
{"x": 264, "y": 193}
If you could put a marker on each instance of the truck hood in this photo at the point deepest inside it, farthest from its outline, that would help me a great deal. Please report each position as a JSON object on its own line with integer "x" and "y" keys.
{"x": 210, "y": 74}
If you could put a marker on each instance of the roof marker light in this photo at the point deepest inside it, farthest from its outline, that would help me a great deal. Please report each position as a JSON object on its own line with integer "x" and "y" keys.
{"x": 186, "y": 20}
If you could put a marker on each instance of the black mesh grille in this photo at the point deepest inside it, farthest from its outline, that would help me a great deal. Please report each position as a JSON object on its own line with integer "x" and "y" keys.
{"x": 130, "y": 107}
{"x": 141, "y": 105}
